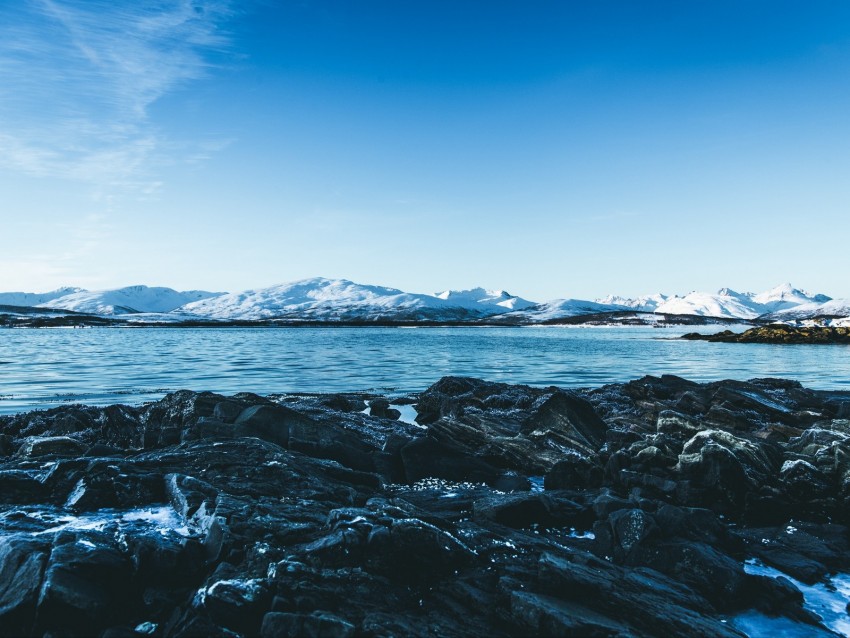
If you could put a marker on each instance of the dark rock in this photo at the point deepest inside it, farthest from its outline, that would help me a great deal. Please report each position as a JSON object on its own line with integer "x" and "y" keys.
{"x": 22, "y": 563}
{"x": 6, "y": 445}
{"x": 649, "y": 602}
{"x": 803, "y": 481}
{"x": 283, "y": 508}
{"x": 87, "y": 585}
{"x": 227, "y": 411}
{"x": 573, "y": 472}
{"x": 235, "y": 604}
{"x": 51, "y": 446}
{"x": 520, "y": 511}
{"x": 570, "y": 419}
{"x": 319, "y": 624}
{"x": 101, "y": 450}
{"x": 344, "y": 403}
{"x": 725, "y": 466}
{"x": 381, "y": 408}
{"x": 511, "y": 482}
{"x": 268, "y": 422}
{"x": 779, "y": 333}
{"x": 549, "y": 616}
{"x": 426, "y": 457}
{"x": 630, "y": 529}
{"x": 21, "y": 486}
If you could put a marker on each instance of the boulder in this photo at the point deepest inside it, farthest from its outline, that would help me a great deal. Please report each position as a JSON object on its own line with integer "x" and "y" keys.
{"x": 268, "y": 422}
{"x": 37, "y": 446}
{"x": 22, "y": 563}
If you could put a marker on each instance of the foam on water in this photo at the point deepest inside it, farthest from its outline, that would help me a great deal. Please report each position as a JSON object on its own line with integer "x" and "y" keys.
{"x": 827, "y": 599}
{"x": 161, "y": 518}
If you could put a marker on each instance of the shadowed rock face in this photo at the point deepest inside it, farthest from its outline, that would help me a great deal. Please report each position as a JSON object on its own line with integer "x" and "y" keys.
{"x": 208, "y": 515}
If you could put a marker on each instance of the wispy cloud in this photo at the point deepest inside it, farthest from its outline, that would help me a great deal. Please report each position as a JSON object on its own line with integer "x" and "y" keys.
{"x": 60, "y": 264}
{"x": 77, "y": 79}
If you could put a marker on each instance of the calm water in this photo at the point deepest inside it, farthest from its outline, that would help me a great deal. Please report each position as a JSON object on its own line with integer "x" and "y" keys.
{"x": 45, "y": 367}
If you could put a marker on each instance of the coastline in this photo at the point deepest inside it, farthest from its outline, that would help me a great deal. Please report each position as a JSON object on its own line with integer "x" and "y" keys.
{"x": 779, "y": 334}
{"x": 504, "y": 510}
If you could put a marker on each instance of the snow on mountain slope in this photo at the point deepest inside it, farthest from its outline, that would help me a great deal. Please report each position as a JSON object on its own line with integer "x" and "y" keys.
{"x": 786, "y": 296}
{"x": 726, "y": 303}
{"x": 831, "y": 308}
{"x": 132, "y": 299}
{"x": 35, "y": 298}
{"x": 493, "y": 301}
{"x": 741, "y": 305}
{"x": 560, "y": 309}
{"x": 321, "y": 299}
{"x": 644, "y": 303}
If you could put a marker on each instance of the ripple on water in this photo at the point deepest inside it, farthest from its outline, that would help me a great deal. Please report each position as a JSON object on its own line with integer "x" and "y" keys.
{"x": 105, "y": 366}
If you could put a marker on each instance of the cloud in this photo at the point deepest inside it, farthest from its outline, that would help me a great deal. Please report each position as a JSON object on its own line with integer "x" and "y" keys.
{"x": 60, "y": 263}
{"x": 78, "y": 80}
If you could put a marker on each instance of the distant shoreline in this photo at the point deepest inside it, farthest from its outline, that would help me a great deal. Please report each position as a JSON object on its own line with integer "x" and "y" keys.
{"x": 41, "y": 318}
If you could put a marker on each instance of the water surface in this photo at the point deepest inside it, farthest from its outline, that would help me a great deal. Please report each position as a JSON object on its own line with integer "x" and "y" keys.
{"x": 45, "y": 367}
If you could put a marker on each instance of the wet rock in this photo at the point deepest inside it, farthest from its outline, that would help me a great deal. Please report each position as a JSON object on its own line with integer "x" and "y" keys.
{"x": 381, "y": 408}
{"x": 344, "y": 403}
{"x": 426, "y": 457}
{"x": 87, "y": 584}
{"x": 22, "y": 563}
{"x": 526, "y": 510}
{"x": 678, "y": 425}
{"x": 268, "y": 422}
{"x": 651, "y": 603}
{"x": 227, "y": 411}
{"x": 235, "y": 604}
{"x": 6, "y": 445}
{"x": 208, "y": 515}
{"x": 573, "y": 472}
{"x": 193, "y": 499}
{"x": 725, "y": 466}
{"x": 631, "y": 528}
{"x": 21, "y": 486}
{"x": 51, "y": 446}
{"x": 549, "y": 616}
{"x": 570, "y": 420}
{"x": 318, "y": 624}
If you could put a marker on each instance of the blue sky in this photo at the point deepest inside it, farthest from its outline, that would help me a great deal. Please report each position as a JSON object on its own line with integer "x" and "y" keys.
{"x": 549, "y": 148}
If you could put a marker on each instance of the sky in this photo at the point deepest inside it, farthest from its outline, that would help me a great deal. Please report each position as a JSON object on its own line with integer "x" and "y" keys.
{"x": 552, "y": 149}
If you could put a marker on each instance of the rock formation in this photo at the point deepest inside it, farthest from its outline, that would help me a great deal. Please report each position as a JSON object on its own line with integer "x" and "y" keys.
{"x": 506, "y": 510}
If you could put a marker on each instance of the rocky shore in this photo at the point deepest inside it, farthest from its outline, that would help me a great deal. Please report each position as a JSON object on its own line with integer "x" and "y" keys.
{"x": 636, "y": 509}
{"x": 778, "y": 333}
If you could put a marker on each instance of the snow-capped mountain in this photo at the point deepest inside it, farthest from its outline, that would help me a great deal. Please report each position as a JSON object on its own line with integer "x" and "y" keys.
{"x": 560, "y": 309}
{"x": 132, "y": 299}
{"x": 725, "y": 303}
{"x": 644, "y": 303}
{"x": 494, "y": 301}
{"x": 35, "y": 298}
{"x": 785, "y": 296}
{"x": 321, "y": 299}
{"x": 813, "y": 310}
{"x": 738, "y": 305}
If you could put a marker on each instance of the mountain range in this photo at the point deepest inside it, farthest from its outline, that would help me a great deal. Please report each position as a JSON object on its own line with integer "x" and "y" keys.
{"x": 327, "y": 300}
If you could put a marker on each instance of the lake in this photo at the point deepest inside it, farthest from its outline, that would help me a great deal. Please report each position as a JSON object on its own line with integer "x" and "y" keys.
{"x": 41, "y": 368}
